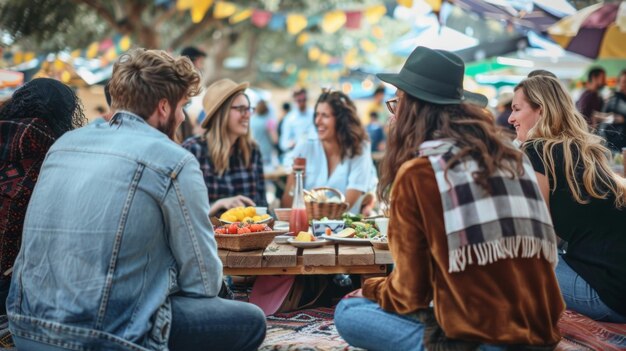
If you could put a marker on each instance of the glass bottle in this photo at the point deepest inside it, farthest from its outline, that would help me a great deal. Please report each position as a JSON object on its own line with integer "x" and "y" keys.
{"x": 299, "y": 221}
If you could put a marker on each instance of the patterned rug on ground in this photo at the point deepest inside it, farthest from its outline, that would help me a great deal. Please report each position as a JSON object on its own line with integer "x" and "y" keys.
{"x": 303, "y": 330}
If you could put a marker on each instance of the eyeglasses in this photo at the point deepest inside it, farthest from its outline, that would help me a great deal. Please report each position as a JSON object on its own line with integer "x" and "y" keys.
{"x": 392, "y": 104}
{"x": 243, "y": 109}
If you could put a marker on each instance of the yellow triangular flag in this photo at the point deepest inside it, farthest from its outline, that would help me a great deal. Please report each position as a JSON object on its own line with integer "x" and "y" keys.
{"x": 92, "y": 50}
{"x": 303, "y": 75}
{"x": 333, "y": 21}
{"x": 29, "y": 56}
{"x": 324, "y": 59}
{"x": 58, "y": 64}
{"x": 66, "y": 77}
{"x": 241, "y": 16}
{"x": 373, "y": 14}
{"x": 75, "y": 53}
{"x": 296, "y": 23}
{"x": 182, "y": 5}
{"x": 377, "y": 32}
{"x": 125, "y": 43}
{"x": 367, "y": 46}
{"x": 199, "y": 9}
{"x": 224, "y": 9}
{"x": 435, "y": 4}
{"x": 407, "y": 3}
{"x": 18, "y": 58}
{"x": 314, "y": 53}
{"x": 110, "y": 54}
{"x": 302, "y": 38}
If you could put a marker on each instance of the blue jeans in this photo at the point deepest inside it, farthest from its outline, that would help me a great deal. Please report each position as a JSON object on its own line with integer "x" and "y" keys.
{"x": 200, "y": 324}
{"x": 362, "y": 323}
{"x": 581, "y": 297}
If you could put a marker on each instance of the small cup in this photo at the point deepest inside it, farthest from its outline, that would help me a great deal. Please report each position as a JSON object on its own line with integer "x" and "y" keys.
{"x": 382, "y": 224}
{"x": 260, "y": 211}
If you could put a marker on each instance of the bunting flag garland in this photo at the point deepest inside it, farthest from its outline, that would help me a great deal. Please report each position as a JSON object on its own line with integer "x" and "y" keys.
{"x": 261, "y": 18}
{"x": 302, "y": 39}
{"x": 241, "y": 16}
{"x": 296, "y": 23}
{"x": 277, "y": 22}
{"x": 333, "y": 21}
{"x": 375, "y": 13}
{"x": 199, "y": 9}
{"x": 224, "y": 9}
{"x": 353, "y": 19}
{"x": 406, "y": 3}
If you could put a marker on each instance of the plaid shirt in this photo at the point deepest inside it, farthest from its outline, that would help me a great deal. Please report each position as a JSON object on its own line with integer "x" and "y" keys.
{"x": 237, "y": 179}
{"x": 23, "y": 146}
{"x": 512, "y": 221}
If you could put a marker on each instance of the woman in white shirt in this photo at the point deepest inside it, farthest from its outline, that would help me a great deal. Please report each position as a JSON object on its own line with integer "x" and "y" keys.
{"x": 339, "y": 155}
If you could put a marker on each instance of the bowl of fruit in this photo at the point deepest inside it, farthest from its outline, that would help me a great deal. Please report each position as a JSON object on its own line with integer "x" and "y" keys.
{"x": 240, "y": 236}
{"x": 244, "y": 215}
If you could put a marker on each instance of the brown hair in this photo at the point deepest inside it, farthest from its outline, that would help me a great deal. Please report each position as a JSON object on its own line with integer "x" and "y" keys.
{"x": 216, "y": 137}
{"x": 471, "y": 127}
{"x": 261, "y": 108}
{"x": 561, "y": 124}
{"x": 141, "y": 78}
{"x": 349, "y": 130}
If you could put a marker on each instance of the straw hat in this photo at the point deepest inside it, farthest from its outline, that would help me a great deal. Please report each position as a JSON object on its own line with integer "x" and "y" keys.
{"x": 435, "y": 76}
{"x": 217, "y": 93}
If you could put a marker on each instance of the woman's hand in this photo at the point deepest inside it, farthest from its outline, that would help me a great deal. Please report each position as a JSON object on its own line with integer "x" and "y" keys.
{"x": 230, "y": 202}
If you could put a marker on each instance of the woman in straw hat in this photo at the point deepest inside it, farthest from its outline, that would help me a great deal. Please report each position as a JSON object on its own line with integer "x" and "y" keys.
{"x": 230, "y": 161}
{"x": 586, "y": 198}
{"x": 468, "y": 230}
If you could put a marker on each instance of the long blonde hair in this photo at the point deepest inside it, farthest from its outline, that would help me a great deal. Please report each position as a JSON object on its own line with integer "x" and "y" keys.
{"x": 216, "y": 137}
{"x": 561, "y": 124}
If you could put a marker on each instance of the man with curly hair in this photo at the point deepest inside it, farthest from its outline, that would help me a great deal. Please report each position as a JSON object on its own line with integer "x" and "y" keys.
{"x": 118, "y": 252}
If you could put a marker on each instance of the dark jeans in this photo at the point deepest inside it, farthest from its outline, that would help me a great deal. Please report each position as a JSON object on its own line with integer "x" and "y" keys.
{"x": 201, "y": 324}
{"x": 215, "y": 324}
{"x": 5, "y": 284}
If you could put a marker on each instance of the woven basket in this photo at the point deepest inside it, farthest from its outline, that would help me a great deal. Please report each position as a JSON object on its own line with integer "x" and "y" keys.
{"x": 246, "y": 242}
{"x": 330, "y": 210}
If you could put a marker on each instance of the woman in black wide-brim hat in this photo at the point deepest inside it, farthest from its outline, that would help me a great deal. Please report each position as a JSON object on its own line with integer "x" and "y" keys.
{"x": 471, "y": 237}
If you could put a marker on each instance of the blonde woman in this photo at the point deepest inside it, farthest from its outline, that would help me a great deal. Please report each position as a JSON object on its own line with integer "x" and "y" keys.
{"x": 230, "y": 161}
{"x": 586, "y": 199}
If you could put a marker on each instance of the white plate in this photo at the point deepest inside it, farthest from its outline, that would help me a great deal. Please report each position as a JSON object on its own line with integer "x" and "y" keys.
{"x": 307, "y": 244}
{"x": 347, "y": 240}
{"x": 281, "y": 225}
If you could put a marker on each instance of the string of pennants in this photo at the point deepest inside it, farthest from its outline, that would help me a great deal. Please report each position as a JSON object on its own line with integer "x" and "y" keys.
{"x": 106, "y": 50}
{"x": 294, "y": 22}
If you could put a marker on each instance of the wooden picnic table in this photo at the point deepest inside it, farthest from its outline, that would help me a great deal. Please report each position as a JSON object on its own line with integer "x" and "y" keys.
{"x": 279, "y": 259}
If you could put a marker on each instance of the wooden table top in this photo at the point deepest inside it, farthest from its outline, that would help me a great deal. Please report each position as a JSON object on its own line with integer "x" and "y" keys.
{"x": 287, "y": 259}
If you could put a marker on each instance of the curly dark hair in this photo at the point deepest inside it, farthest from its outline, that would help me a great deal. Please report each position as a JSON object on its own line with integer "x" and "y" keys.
{"x": 349, "y": 130}
{"x": 49, "y": 100}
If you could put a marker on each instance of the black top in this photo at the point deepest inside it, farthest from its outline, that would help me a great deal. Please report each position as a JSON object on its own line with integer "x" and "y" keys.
{"x": 595, "y": 232}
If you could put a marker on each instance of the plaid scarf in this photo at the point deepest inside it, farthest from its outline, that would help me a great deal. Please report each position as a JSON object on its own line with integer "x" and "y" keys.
{"x": 483, "y": 228}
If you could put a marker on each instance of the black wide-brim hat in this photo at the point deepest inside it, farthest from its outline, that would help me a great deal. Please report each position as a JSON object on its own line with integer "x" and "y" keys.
{"x": 435, "y": 76}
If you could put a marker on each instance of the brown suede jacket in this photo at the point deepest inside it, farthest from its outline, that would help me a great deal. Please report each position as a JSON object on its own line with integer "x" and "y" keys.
{"x": 511, "y": 301}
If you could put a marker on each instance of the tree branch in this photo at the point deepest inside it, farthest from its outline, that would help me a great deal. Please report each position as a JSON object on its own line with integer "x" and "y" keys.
{"x": 192, "y": 31}
{"x": 166, "y": 15}
{"x": 103, "y": 12}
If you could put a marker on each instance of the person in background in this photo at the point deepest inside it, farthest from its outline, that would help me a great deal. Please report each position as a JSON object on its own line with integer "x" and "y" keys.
{"x": 286, "y": 107}
{"x": 196, "y": 56}
{"x": 586, "y": 199}
{"x": 590, "y": 101}
{"x": 468, "y": 230}
{"x": 503, "y": 108}
{"x": 377, "y": 105}
{"x": 616, "y": 105}
{"x": 118, "y": 252}
{"x": 35, "y": 116}
{"x": 376, "y": 133}
{"x": 297, "y": 124}
{"x": 263, "y": 127}
{"x": 339, "y": 154}
{"x": 230, "y": 160}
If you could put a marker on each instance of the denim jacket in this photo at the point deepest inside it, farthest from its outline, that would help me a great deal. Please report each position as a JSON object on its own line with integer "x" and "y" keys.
{"x": 117, "y": 223}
